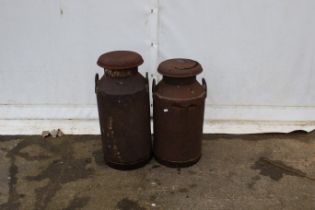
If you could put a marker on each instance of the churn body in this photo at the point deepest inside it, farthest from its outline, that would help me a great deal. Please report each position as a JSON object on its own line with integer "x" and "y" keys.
{"x": 124, "y": 110}
{"x": 178, "y": 102}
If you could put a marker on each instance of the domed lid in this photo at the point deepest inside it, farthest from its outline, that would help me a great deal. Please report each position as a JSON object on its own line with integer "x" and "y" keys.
{"x": 179, "y": 67}
{"x": 117, "y": 60}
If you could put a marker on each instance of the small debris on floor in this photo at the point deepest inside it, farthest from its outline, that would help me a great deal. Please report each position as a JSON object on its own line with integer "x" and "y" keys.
{"x": 53, "y": 133}
{"x": 60, "y": 133}
{"x": 45, "y": 134}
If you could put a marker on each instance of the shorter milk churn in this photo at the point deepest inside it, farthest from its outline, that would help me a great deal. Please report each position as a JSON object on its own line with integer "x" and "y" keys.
{"x": 178, "y": 111}
{"x": 124, "y": 110}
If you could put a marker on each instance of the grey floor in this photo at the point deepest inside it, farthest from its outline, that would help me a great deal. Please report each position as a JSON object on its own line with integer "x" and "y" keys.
{"x": 246, "y": 172}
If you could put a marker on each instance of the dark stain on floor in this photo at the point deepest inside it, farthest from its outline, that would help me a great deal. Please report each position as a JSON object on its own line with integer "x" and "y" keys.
{"x": 153, "y": 197}
{"x": 193, "y": 185}
{"x": 63, "y": 170}
{"x": 13, "y": 200}
{"x": 14, "y": 196}
{"x": 192, "y": 172}
{"x": 77, "y": 203}
{"x": 127, "y": 204}
{"x": 186, "y": 190}
{"x": 183, "y": 190}
{"x": 58, "y": 172}
{"x": 61, "y": 167}
{"x": 157, "y": 181}
{"x": 275, "y": 169}
{"x": 155, "y": 166}
{"x": 99, "y": 157}
{"x": 253, "y": 181}
{"x": 28, "y": 157}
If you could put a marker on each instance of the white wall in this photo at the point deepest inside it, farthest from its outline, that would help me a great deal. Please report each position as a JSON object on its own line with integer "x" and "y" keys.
{"x": 258, "y": 58}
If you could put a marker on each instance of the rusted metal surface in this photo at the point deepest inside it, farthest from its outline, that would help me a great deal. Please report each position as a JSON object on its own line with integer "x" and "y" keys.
{"x": 124, "y": 110}
{"x": 179, "y": 68}
{"x": 120, "y": 60}
{"x": 178, "y": 110}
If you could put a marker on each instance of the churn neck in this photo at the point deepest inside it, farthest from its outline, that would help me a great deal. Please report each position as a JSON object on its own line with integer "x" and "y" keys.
{"x": 179, "y": 81}
{"x": 113, "y": 73}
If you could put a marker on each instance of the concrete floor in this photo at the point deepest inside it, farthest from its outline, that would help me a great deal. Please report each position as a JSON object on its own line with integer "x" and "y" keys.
{"x": 271, "y": 171}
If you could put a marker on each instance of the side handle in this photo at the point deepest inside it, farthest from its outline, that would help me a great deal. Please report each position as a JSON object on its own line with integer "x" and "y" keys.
{"x": 147, "y": 82}
{"x": 147, "y": 77}
{"x": 96, "y": 80}
{"x": 153, "y": 86}
{"x": 204, "y": 84}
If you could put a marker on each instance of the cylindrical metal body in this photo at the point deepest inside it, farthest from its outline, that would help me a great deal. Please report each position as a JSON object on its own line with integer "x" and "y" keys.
{"x": 124, "y": 110}
{"x": 178, "y": 109}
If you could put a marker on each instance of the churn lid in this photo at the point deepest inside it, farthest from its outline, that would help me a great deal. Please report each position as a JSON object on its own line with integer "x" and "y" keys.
{"x": 118, "y": 60}
{"x": 180, "y": 68}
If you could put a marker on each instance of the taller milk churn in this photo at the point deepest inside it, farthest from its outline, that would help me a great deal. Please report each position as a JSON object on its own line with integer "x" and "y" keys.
{"x": 178, "y": 110}
{"x": 124, "y": 110}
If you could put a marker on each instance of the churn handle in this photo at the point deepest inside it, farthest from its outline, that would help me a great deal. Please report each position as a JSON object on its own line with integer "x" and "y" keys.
{"x": 147, "y": 77}
{"x": 96, "y": 80}
{"x": 147, "y": 82}
{"x": 204, "y": 84}
{"x": 153, "y": 85}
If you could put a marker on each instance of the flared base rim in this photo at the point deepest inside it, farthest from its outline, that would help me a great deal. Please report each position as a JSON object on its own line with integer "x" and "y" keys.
{"x": 129, "y": 166}
{"x": 177, "y": 164}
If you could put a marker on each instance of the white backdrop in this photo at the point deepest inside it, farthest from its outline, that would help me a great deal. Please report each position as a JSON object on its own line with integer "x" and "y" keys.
{"x": 258, "y": 58}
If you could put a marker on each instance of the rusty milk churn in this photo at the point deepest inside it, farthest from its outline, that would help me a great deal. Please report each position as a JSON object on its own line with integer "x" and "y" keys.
{"x": 178, "y": 110}
{"x": 124, "y": 110}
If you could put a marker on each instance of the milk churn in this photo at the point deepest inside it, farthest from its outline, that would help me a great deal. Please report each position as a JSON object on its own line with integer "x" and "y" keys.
{"x": 178, "y": 110}
{"x": 124, "y": 110}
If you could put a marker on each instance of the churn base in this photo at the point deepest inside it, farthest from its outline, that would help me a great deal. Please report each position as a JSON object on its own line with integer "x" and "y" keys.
{"x": 130, "y": 166}
{"x": 177, "y": 164}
